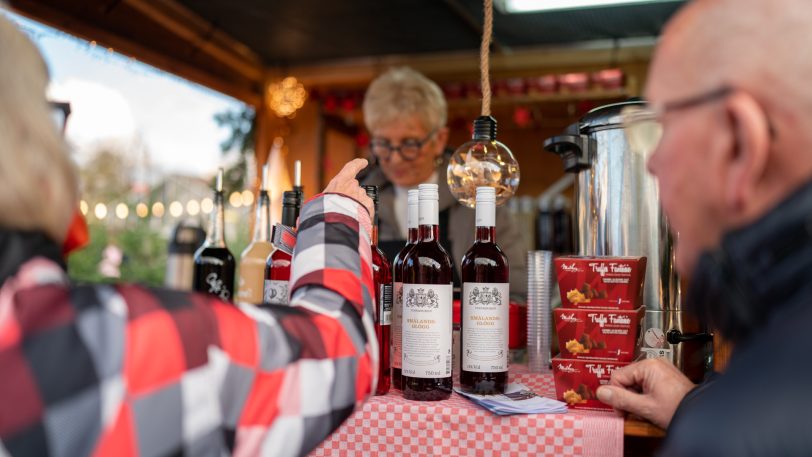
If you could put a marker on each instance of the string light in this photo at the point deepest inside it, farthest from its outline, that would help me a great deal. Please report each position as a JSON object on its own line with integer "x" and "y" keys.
{"x": 207, "y": 205}
{"x": 122, "y": 211}
{"x": 193, "y": 207}
{"x": 83, "y": 207}
{"x": 158, "y": 209}
{"x": 176, "y": 209}
{"x": 285, "y": 97}
{"x": 247, "y": 198}
{"x": 235, "y": 199}
{"x": 100, "y": 211}
{"x": 142, "y": 210}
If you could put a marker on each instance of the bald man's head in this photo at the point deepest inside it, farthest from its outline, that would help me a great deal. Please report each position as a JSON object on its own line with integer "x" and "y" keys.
{"x": 762, "y": 46}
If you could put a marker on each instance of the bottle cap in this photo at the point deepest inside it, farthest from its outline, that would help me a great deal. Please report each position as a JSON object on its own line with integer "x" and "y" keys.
{"x": 486, "y": 194}
{"x": 372, "y": 192}
{"x": 218, "y": 187}
{"x": 290, "y": 198}
{"x": 429, "y": 192}
{"x": 413, "y": 196}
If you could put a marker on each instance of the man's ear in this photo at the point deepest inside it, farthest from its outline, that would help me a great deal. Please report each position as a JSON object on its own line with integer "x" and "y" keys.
{"x": 751, "y": 148}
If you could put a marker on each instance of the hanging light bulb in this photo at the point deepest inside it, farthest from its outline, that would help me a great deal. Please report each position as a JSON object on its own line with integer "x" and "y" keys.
{"x": 483, "y": 161}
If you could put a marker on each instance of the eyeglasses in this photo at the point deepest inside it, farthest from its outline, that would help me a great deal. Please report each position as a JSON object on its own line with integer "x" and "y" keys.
{"x": 408, "y": 149}
{"x": 643, "y": 124}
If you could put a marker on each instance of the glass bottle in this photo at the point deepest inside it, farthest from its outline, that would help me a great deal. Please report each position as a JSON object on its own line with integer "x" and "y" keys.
{"x": 277, "y": 266}
{"x": 251, "y": 283}
{"x": 382, "y": 277}
{"x": 485, "y": 305}
{"x": 427, "y": 308}
{"x": 214, "y": 264}
{"x": 397, "y": 289}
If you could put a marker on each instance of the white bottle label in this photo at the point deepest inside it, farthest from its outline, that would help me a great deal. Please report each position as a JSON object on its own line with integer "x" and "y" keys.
{"x": 397, "y": 318}
{"x": 427, "y": 313}
{"x": 485, "y": 314}
{"x": 385, "y": 304}
{"x": 276, "y": 292}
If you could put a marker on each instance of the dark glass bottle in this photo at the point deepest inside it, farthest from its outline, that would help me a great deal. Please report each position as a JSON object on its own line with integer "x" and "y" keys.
{"x": 427, "y": 308}
{"x": 382, "y": 277}
{"x": 485, "y": 305}
{"x": 214, "y": 264}
{"x": 277, "y": 267}
{"x": 397, "y": 289}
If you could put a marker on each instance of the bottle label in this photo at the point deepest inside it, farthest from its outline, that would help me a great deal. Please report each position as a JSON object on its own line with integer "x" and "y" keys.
{"x": 217, "y": 286}
{"x": 397, "y": 318}
{"x": 426, "y": 330}
{"x": 385, "y": 305}
{"x": 485, "y": 314}
{"x": 276, "y": 292}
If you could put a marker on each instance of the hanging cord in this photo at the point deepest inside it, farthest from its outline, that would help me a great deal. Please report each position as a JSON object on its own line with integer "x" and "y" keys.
{"x": 484, "y": 58}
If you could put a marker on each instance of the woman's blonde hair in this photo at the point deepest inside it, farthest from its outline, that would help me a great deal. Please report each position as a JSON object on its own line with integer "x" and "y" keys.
{"x": 38, "y": 182}
{"x": 403, "y": 92}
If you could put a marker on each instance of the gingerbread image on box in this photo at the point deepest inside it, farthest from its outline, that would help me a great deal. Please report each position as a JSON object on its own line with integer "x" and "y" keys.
{"x": 601, "y": 282}
{"x": 577, "y": 380}
{"x": 599, "y": 334}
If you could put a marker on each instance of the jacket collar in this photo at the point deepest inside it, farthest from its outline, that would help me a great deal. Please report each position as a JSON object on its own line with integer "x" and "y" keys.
{"x": 18, "y": 247}
{"x": 756, "y": 269}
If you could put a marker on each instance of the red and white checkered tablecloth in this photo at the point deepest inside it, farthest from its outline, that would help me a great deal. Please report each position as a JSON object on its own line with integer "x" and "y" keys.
{"x": 392, "y": 425}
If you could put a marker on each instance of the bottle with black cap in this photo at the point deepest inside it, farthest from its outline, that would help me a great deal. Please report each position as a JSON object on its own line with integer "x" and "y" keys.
{"x": 277, "y": 267}
{"x": 382, "y": 277}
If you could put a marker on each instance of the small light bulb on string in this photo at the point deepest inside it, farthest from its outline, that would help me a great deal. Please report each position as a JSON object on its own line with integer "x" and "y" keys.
{"x": 483, "y": 161}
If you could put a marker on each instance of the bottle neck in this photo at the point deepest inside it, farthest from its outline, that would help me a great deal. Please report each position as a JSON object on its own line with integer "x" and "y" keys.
{"x": 414, "y": 235}
{"x": 262, "y": 221}
{"x": 429, "y": 233}
{"x": 375, "y": 227}
{"x": 486, "y": 234}
{"x": 289, "y": 215}
{"x": 216, "y": 236}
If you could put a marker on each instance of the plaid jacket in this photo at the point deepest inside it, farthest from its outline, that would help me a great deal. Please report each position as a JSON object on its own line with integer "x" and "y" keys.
{"x": 123, "y": 370}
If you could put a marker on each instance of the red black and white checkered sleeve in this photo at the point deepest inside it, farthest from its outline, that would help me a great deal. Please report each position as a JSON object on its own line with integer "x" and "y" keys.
{"x": 125, "y": 370}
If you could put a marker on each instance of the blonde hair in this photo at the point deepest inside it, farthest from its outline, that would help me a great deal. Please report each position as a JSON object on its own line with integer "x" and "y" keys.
{"x": 403, "y": 92}
{"x": 39, "y": 182}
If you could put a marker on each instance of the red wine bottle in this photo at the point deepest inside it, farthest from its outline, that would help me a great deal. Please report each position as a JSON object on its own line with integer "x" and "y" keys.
{"x": 397, "y": 289}
{"x": 427, "y": 308}
{"x": 485, "y": 305}
{"x": 277, "y": 267}
{"x": 214, "y": 264}
{"x": 382, "y": 277}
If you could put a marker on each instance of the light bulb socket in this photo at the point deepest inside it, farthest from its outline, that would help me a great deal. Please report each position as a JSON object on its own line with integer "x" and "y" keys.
{"x": 485, "y": 128}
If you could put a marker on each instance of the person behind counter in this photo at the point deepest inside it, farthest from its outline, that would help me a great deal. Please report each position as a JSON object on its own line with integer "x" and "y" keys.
{"x": 126, "y": 370}
{"x": 734, "y": 165}
{"x": 406, "y": 113}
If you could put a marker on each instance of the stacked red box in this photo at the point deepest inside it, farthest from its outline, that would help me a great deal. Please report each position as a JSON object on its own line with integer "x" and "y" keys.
{"x": 599, "y": 324}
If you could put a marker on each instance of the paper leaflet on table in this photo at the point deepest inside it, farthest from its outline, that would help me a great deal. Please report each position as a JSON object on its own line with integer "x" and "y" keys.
{"x": 517, "y": 399}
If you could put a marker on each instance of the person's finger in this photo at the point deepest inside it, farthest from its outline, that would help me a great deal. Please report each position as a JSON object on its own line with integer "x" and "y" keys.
{"x": 351, "y": 169}
{"x": 626, "y": 400}
{"x": 628, "y": 376}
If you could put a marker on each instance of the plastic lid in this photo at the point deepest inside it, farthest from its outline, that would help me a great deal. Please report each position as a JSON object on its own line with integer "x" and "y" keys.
{"x": 605, "y": 117}
{"x": 429, "y": 191}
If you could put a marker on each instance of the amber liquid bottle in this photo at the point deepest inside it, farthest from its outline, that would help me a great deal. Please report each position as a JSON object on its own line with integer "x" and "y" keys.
{"x": 214, "y": 264}
{"x": 382, "y": 277}
{"x": 427, "y": 308}
{"x": 251, "y": 283}
{"x": 485, "y": 305}
{"x": 397, "y": 289}
{"x": 277, "y": 267}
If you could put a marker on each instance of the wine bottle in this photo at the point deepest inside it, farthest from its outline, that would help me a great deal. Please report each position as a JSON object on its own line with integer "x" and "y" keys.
{"x": 277, "y": 266}
{"x": 397, "y": 289}
{"x": 485, "y": 305}
{"x": 251, "y": 283}
{"x": 382, "y": 277}
{"x": 427, "y": 308}
{"x": 214, "y": 264}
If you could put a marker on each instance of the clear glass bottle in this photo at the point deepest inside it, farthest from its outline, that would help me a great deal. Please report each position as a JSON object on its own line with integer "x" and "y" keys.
{"x": 251, "y": 283}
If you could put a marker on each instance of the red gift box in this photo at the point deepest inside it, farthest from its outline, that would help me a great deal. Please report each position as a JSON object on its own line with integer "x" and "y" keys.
{"x": 577, "y": 380}
{"x": 601, "y": 282}
{"x": 598, "y": 334}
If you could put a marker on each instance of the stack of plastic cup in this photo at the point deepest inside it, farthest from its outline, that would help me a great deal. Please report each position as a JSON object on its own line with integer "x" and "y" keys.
{"x": 539, "y": 295}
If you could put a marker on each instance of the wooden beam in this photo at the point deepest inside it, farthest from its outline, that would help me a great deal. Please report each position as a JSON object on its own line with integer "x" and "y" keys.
{"x": 83, "y": 29}
{"x": 451, "y": 66}
{"x": 203, "y": 35}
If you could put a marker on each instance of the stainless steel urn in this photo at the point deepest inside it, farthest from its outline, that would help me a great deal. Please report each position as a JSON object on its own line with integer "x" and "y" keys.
{"x": 617, "y": 213}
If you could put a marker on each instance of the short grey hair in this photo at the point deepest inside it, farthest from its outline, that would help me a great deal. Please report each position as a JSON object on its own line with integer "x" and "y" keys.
{"x": 40, "y": 184}
{"x": 402, "y": 92}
